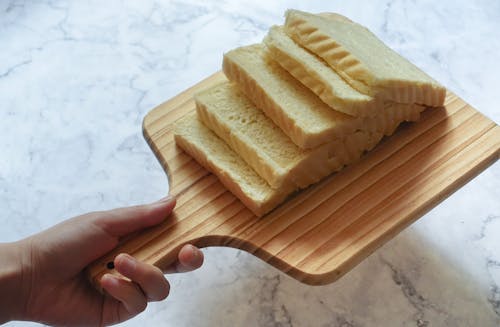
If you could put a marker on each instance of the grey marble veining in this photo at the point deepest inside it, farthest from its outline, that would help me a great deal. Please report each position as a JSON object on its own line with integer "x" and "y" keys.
{"x": 77, "y": 78}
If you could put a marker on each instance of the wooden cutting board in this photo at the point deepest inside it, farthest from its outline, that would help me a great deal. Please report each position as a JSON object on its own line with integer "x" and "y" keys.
{"x": 324, "y": 231}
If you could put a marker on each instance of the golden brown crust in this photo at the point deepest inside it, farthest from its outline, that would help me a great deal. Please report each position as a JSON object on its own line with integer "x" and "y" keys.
{"x": 314, "y": 73}
{"x": 306, "y": 30}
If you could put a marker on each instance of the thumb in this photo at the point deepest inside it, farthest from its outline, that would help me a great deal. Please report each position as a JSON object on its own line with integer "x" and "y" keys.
{"x": 122, "y": 221}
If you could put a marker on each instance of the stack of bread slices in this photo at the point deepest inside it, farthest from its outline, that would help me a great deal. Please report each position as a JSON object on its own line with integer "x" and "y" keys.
{"x": 312, "y": 98}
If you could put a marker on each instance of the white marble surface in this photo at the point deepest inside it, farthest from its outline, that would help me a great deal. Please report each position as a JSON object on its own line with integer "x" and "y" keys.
{"x": 77, "y": 77}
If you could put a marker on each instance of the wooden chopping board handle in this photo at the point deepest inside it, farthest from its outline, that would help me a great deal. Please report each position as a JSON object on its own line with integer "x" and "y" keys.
{"x": 195, "y": 220}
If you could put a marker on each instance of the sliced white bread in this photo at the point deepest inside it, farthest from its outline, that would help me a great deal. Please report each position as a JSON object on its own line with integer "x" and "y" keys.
{"x": 306, "y": 119}
{"x": 300, "y": 114}
{"x": 264, "y": 146}
{"x": 362, "y": 59}
{"x": 215, "y": 155}
{"x": 320, "y": 78}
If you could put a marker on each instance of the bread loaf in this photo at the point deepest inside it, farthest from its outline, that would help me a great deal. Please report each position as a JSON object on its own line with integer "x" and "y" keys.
{"x": 320, "y": 92}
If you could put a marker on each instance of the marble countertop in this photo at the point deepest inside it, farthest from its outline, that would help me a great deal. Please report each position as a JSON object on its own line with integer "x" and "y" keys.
{"x": 77, "y": 77}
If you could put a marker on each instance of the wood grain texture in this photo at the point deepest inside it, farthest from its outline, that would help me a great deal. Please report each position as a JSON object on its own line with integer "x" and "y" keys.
{"x": 322, "y": 232}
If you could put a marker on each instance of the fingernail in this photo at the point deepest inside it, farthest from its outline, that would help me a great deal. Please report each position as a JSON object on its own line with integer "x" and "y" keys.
{"x": 111, "y": 279}
{"x": 168, "y": 198}
{"x": 193, "y": 250}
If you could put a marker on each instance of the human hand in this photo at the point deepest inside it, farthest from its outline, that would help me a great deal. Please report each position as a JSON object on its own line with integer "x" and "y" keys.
{"x": 52, "y": 284}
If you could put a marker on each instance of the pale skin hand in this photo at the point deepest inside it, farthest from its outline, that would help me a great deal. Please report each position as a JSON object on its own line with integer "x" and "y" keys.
{"x": 47, "y": 282}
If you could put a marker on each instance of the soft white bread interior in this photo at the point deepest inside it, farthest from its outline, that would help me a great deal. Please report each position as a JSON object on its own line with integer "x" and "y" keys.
{"x": 306, "y": 119}
{"x": 214, "y": 154}
{"x": 271, "y": 153}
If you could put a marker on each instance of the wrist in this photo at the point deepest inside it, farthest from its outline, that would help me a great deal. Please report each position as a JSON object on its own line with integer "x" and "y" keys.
{"x": 12, "y": 287}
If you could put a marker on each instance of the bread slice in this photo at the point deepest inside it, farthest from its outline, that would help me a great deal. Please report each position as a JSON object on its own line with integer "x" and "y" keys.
{"x": 300, "y": 114}
{"x": 264, "y": 146}
{"x": 320, "y": 78}
{"x": 362, "y": 59}
{"x": 214, "y": 154}
{"x": 306, "y": 119}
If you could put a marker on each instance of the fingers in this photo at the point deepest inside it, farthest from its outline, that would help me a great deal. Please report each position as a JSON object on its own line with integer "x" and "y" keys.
{"x": 189, "y": 258}
{"x": 149, "y": 278}
{"x": 130, "y": 296}
{"x": 123, "y": 221}
{"x": 146, "y": 283}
